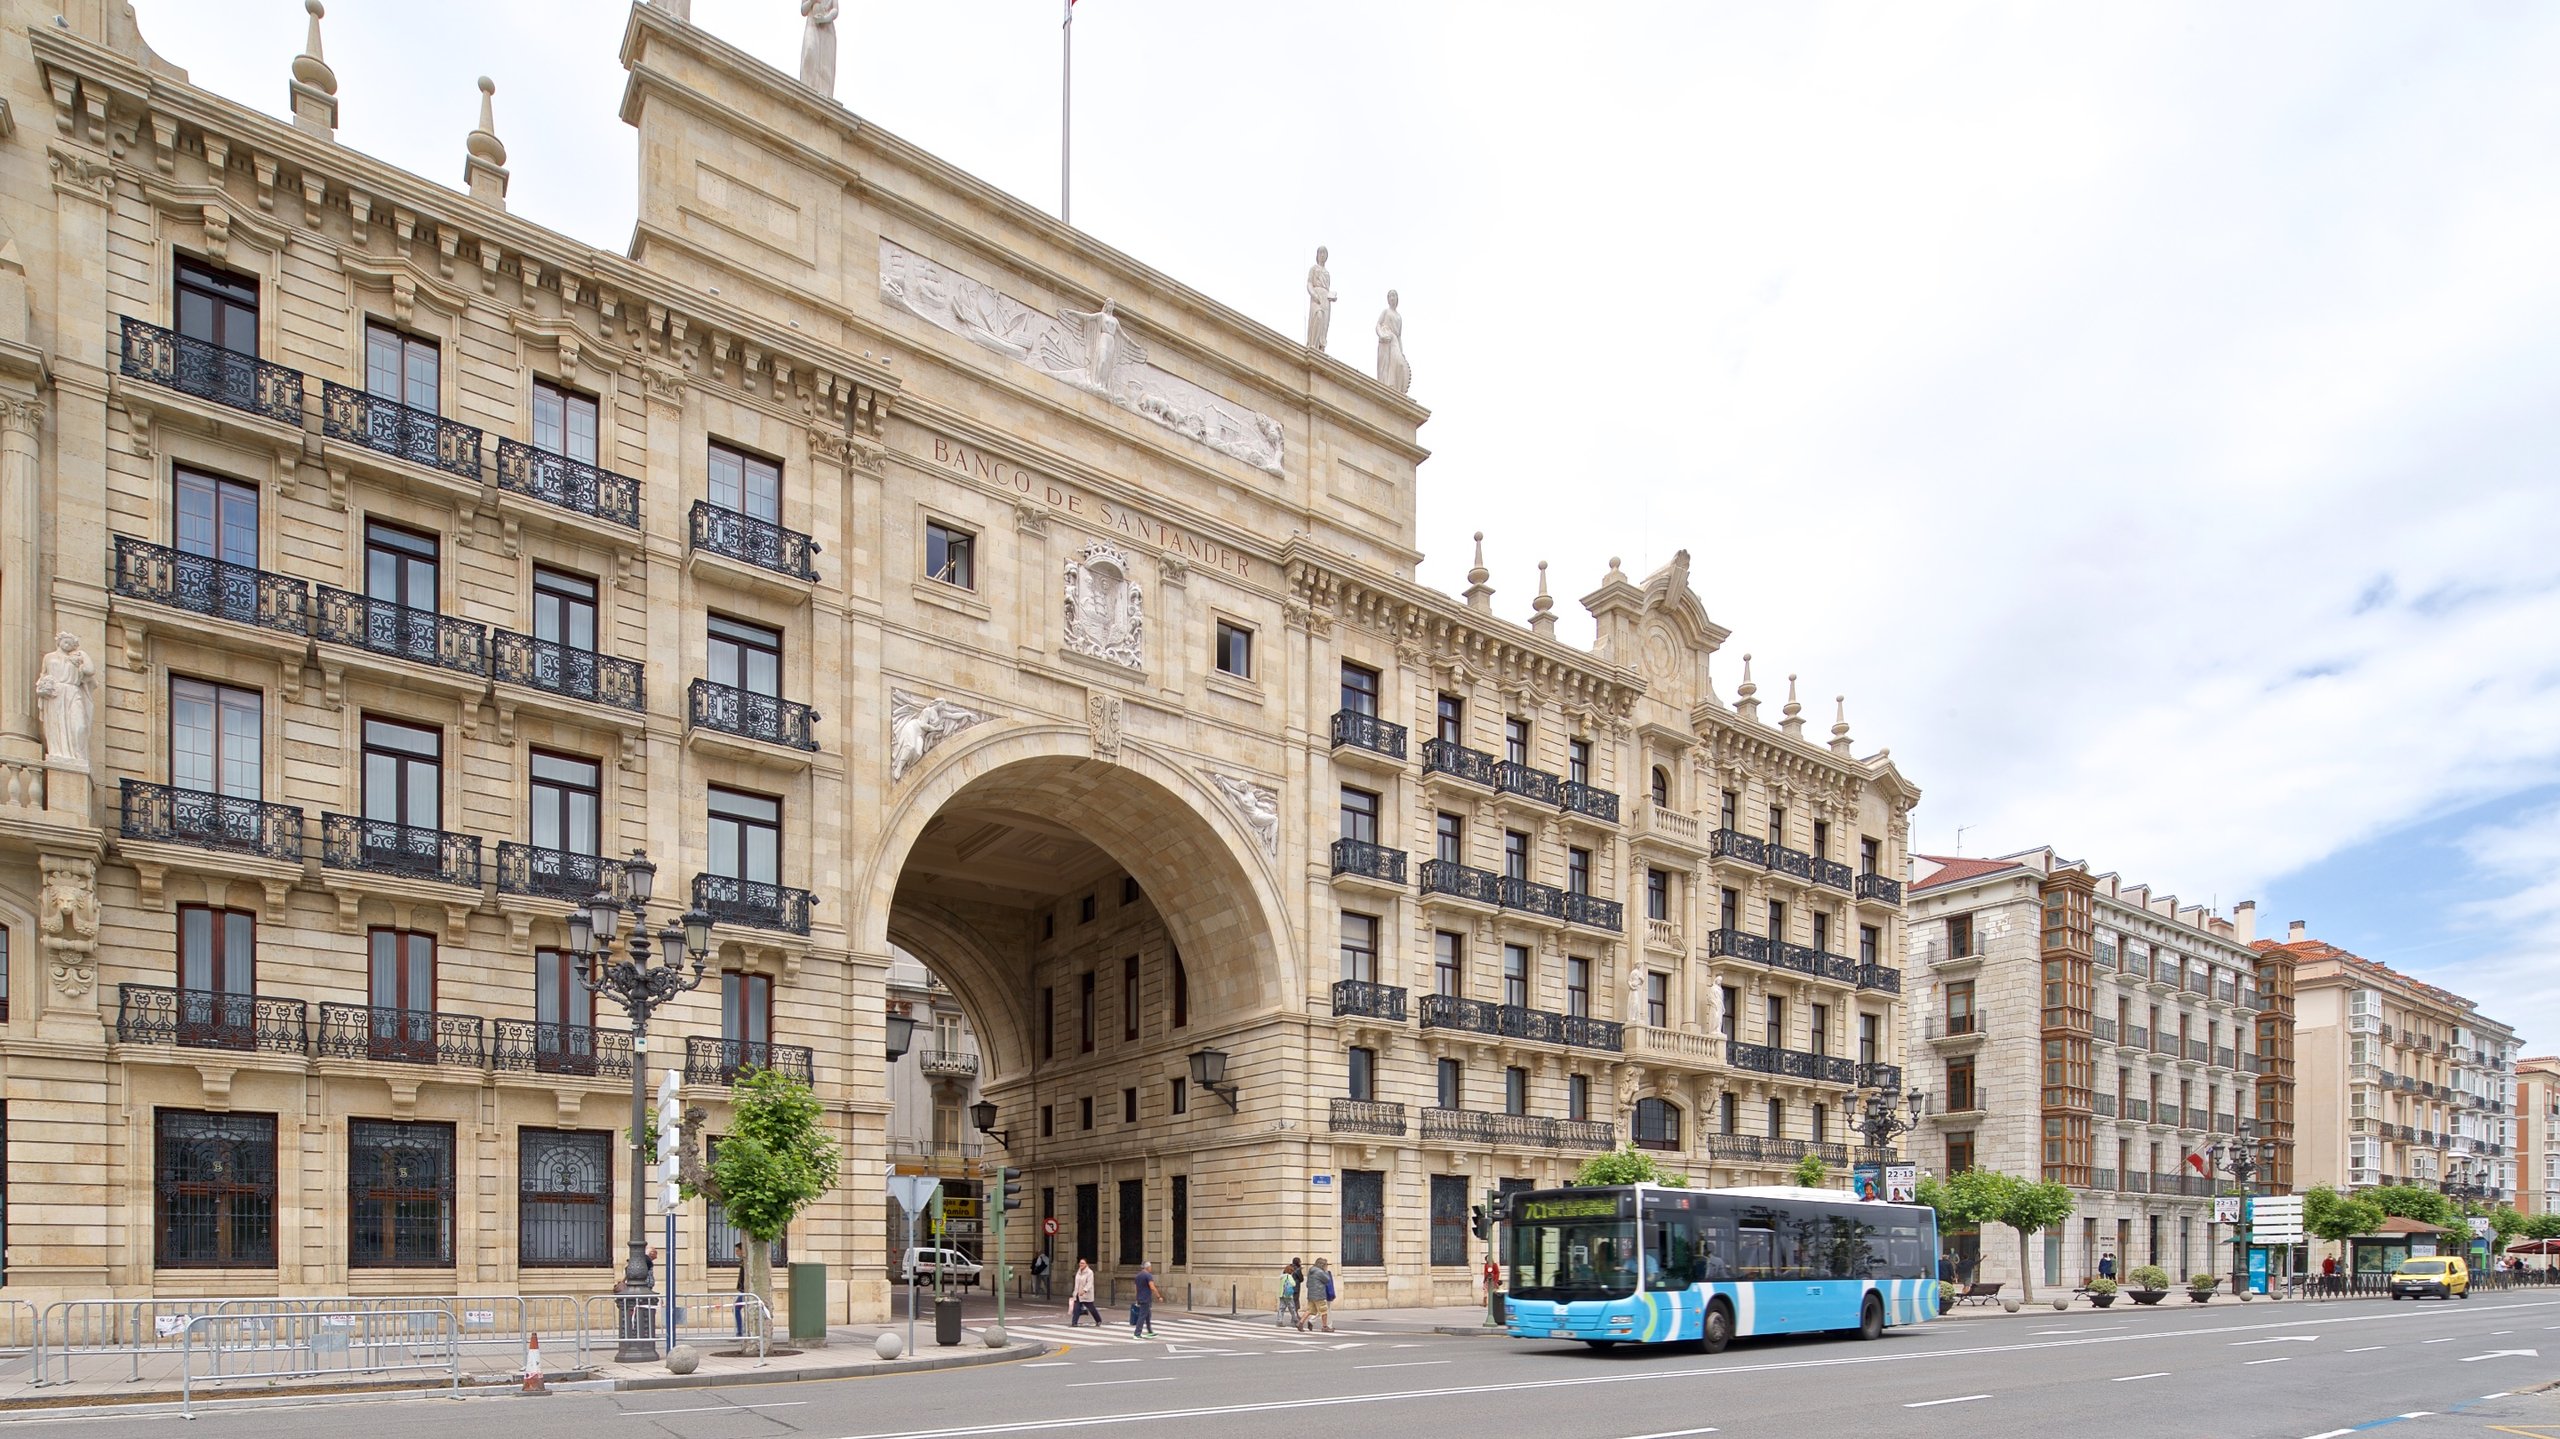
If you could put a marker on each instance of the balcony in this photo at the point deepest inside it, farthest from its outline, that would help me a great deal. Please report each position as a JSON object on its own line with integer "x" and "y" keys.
{"x": 1593, "y": 912}
{"x": 2199, "y": 1051}
{"x": 2103, "y": 1029}
{"x": 165, "y": 814}
{"x": 1581, "y": 1031}
{"x": 423, "y": 637}
{"x": 2104, "y": 1106}
{"x": 402, "y": 851}
{"x": 1832, "y": 874}
{"x": 1663, "y": 934}
{"x": 572, "y": 485}
{"x": 1955, "y": 1026}
{"x": 1790, "y": 1063}
{"x": 1513, "y": 1021}
{"x": 573, "y": 1050}
{"x": 1880, "y": 889}
{"x": 1652, "y": 1042}
{"x": 1513, "y": 777}
{"x": 2137, "y": 1036}
{"x": 1738, "y": 944}
{"x": 1368, "y": 732}
{"x": 1880, "y": 1076}
{"x": 558, "y": 669}
{"x": 1368, "y": 861}
{"x": 1440, "y": 876}
{"x": 1590, "y": 801}
{"x": 1794, "y": 862}
{"x": 742, "y": 537}
{"x": 721, "y": 1061}
{"x": 207, "y": 1019}
{"x": 1368, "y": 1116}
{"x": 422, "y": 437}
{"x": 157, "y": 574}
{"x": 727, "y": 709}
{"x": 2102, "y": 1179}
{"x": 1366, "y": 1000}
{"x": 1545, "y": 901}
{"x": 1661, "y": 822}
{"x": 399, "y": 1036}
{"x": 208, "y": 371}
{"x": 555, "y": 873}
{"x": 1526, "y": 1131}
{"x": 1735, "y": 845}
{"x": 1880, "y": 978}
{"x": 2138, "y": 1110}
{"x": 947, "y": 1064}
{"x": 752, "y": 903}
{"x": 1440, "y": 756}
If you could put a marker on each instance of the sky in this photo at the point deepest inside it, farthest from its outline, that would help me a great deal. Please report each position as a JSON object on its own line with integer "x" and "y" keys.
{"x": 2144, "y": 415}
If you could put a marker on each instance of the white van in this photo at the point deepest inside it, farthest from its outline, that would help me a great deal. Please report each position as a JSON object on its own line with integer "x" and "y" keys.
{"x": 955, "y": 1267}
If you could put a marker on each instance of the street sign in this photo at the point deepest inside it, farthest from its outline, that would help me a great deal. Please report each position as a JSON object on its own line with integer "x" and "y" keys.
{"x": 1320, "y": 1181}
{"x": 1049, "y": 1226}
{"x": 913, "y": 1191}
{"x": 1901, "y": 1183}
{"x": 2276, "y": 1220}
{"x": 2481, "y": 1228}
{"x": 2226, "y": 1209}
{"x": 960, "y": 1206}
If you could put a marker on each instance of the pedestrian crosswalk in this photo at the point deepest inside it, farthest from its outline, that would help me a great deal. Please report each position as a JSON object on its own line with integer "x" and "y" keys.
{"x": 1197, "y": 1332}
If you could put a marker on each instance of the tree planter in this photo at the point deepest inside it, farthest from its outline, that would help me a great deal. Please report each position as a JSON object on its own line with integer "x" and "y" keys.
{"x": 2148, "y": 1296}
{"x": 2103, "y": 1300}
{"x": 2200, "y": 1296}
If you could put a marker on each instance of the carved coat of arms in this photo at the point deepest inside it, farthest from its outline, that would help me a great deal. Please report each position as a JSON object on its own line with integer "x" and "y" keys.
{"x": 1105, "y": 607}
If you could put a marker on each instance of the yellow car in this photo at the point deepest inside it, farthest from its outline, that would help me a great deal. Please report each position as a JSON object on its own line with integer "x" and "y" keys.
{"x": 2444, "y": 1276}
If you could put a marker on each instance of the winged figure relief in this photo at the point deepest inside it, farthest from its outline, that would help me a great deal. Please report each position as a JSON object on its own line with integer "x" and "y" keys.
{"x": 1089, "y": 350}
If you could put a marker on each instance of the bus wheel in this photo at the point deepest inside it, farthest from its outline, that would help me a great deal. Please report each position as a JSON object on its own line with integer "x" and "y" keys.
{"x": 1601, "y": 1343}
{"x": 1715, "y": 1331}
{"x": 1871, "y": 1319}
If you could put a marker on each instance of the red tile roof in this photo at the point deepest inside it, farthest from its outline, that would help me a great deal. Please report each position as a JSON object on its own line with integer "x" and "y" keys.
{"x": 1954, "y": 869}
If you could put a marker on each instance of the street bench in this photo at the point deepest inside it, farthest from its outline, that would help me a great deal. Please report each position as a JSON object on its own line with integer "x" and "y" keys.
{"x": 1980, "y": 1293}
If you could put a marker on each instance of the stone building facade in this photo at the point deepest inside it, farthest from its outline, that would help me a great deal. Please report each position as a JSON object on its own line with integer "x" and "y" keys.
{"x": 902, "y": 571}
{"x": 2538, "y": 1134}
{"x": 2082, "y": 1030}
{"x": 2402, "y": 1081}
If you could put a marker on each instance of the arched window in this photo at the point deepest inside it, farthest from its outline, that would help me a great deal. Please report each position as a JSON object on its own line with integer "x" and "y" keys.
{"x": 1657, "y": 1124}
{"x": 1662, "y": 786}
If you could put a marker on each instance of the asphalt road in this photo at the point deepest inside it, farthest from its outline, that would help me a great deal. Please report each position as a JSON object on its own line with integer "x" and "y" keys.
{"x": 2298, "y": 1370}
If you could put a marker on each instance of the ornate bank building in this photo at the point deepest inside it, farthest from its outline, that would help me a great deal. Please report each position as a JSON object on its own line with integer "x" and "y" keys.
{"x": 867, "y": 563}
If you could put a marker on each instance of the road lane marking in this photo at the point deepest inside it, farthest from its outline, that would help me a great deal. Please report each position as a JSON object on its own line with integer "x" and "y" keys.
{"x": 2129, "y": 1378}
{"x": 1933, "y": 1403}
{"x": 2279, "y": 1339}
{"x": 2368, "y": 1349}
{"x": 2279, "y": 1359}
{"x": 2331, "y": 1433}
{"x": 712, "y": 1408}
{"x": 1117, "y": 1361}
{"x": 2417, "y": 1414}
{"x": 1103, "y": 1383}
{"x": 1051, "y": 1364}
{"x": 1671, "y": 1434}
{"x": 2501, "y": 1354}
{"x": 1403, "y": 1364}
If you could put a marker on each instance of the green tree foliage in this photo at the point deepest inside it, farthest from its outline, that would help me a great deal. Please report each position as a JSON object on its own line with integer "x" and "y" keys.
{"x": 2542, "y": 1226}
{"x": 1812, "y": 1173}
{"x": 1980, "y": 1196}
{"x": 2505, "y": 1223}
{"x": 2411, "y": 1201}
{"x": 1627, "y": 1165}
{"x": 775, "y": 1161}
{"x": 2338, "y": 1217}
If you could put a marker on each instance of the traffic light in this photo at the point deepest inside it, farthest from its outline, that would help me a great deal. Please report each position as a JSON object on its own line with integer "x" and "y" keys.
{"x": 1008, "y": 1195}
{"x": 1480, "y": 1222}
{"x": 670, "y": 1138}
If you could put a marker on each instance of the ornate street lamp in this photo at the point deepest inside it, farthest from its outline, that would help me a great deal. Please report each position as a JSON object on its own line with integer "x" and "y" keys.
{"x": 2244, "y": 1156}
{"x": 641, "y": 988}
{"x": 1880, "y": 1125}
{"x": 1209, "y": 1072}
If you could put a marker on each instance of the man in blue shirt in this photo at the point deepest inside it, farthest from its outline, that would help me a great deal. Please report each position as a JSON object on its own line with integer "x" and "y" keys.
{"x": 1142, "y": 1314}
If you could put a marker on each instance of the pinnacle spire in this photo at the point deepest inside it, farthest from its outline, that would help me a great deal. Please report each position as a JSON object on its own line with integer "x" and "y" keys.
{"x": 1542, "y": 609}
{"x": 485, "y": 168}
{"x": 314, "y": 91}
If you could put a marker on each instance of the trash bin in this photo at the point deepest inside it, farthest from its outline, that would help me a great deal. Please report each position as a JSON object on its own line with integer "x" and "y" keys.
{"x": 1498, "y": 1312}
{"x": 946, "y": 1320}
{"x": 808, "y": 1302}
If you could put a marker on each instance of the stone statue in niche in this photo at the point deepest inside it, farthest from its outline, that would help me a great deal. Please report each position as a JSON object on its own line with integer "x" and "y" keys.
{"x": 917, "y": 723}
{"x": 1320, "y": 299}
{"x": 1715, "y": 1009}
{"x": 1393, "y": 369}
{"x": 818, "y": 46}
{"x": 1105, "y": 607}
{"x": 63, "y": 689}
{"x": 1259, "y": 805}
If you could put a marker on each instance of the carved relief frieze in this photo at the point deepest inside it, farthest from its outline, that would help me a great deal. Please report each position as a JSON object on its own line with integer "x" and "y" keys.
{"x": 918, "y": 722}
{"x": 1257, "y": 804}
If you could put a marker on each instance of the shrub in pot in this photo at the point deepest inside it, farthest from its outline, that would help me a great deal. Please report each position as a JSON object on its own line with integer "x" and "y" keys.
{"x": 2102, "y": 1291}
{"x": 1948, "y": 1293}
{"x": 2150, "y": 1283}
{"x": 2200, "y": 1287}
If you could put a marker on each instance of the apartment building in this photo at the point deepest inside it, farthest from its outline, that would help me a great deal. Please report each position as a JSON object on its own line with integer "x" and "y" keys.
{"x": 2537, "y": 1134}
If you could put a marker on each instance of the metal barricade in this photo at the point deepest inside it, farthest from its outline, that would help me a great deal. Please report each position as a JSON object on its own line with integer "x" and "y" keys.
{"x": 301, "y": 1343}
{"x": 21, "y": 1334}
{"x": 494, "y": 1327}
{"x": 705, "y": 1318}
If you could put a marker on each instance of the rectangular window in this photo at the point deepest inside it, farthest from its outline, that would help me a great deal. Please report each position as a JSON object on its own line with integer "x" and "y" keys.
{"x": 1133, "y": 1221}
{"x": 1657, "y": 894}
{"x": 399, "y": 1194}
{"x": 1084, "y": 1012}
{"x": 217, "y": 306}
{"x": 1960, "y": 1152}
{"x": 1777, "y": 825}
{"x": 564, "y": 609}
{"x": 1773, "y": 1019}
{"x": 1870, "y": 854}
{"x": 1732, "y": 1007}
{"x": 746, "y": 1016}
{"x": 1777, "y": 919}
{"x": 1129, "y": 1106}
{"x": 1821, "y": 1027}
{"x": 1577, "y": 1096}
{"x": 1515, "y": 975}
{"x": 403, "y": 776}
{"x": 1235, "y": 650}
{"x": 1822, "y": 839}
{"x": 1657, "y": 999}
{"x": 1515, "y": 739}
{"x": 1084, "y": 1112}
{"x": 1959, "y": 936}
{"x": 1730, "y": 815}
{"x": 1181, "y": 1218}
{"x": 1359, "y": 689}
{"x": 1515, "y": 854}
{"x": 1729, "y": 909}
{"x": 744, "y": 656}
{"x": 568, "y": 802}
{"x": 1449, "y": 838}
{"x": 1448, "y": 964}
{"x": 1364, "y": 1218}
{"x": 1577, "y": 870}
{"x": 1048, "y": 1120}
{"x": 564, "y": 422}
{"x": 950, "y": 555}
{"x": 564, "y": 1015}
{"x": 1577, "y": 760}
{"x": 1777, "y": 1119}
{"x": 214, "y": 1183}
{"x": 401, "y": 368}
{"x": 1577, "y": 986}
{"x": 1821, "y": 1124}
{"x": 1959, "y": 1010}
{"x": 1870, "y": 1028}
{"x": 217, "y": 974}
{"x": 1181, "y": 992}
{"x": 748, "y": 484}
{"x": 1449, "y": 1217}
{"x": 401, "y": 988}
{"x": 1868, "y": 944}
{"x": 1821, "y": 932}
{"x": 1360, "y": 948}
{"x": 1361, "y": 1080}
{"x": 1450, "y": 719}
{"x": 746, "y": 835}
{"x": 1129, "y": 998}
{"x": 1515, "y": 1090}
{"x": 401, "y": 567}
{"x": 217, "y": 519}
{"x": 215, "y": 739}
{"x": 564, "y": 1198}
{"x": 1727, "y": 1121}
{"x": 1359, "y": 815}
{"x": 1452, "y": 1090}
{"x": 1128, "y": 890}
{"x": 1178, "y": 1097}
{"x": 1048, "y": 1022}
{"x": 1960, "y": 1084}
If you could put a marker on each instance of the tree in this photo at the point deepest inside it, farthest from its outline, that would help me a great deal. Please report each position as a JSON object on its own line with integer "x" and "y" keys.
{"x": 1812, "y": 1173}
{"x": 2338, "y": 1217}
{"x": 1980, "y": 1196}
{"x": 775, "y": 1161}
{"x": 2505, "y": 1223}
{"x": 1627, "y": 1165}
{"x": 2542, "y": 1226}
{"x": 2411, "y": 1201}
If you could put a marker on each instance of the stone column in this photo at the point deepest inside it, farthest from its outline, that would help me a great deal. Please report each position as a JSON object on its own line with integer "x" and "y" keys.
{"x": 1173, "y": 636}
{"x": 21, "y": 638}
{"x": 1033, "y": 592}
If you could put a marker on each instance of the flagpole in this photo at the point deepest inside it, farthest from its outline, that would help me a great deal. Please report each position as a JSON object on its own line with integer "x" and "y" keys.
{"x": 1066, "y": 109}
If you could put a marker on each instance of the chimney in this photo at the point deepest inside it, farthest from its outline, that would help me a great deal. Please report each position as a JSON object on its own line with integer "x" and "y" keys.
{"x": 2244, "y": 918}
{"x": 2293, "y": 932}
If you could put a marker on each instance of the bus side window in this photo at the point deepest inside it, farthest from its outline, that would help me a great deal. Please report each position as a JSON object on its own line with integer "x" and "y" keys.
{"x": 1757, "y": 1249}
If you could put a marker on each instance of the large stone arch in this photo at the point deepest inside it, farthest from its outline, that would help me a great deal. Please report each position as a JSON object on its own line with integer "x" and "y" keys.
{"x": 976, "y": 966}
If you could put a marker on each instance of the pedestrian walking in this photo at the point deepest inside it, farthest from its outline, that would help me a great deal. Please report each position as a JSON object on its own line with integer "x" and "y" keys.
{"x": 1080, "y": 1296}
{"x": 1142, "y": 1307}
{"x": 1295, "y": 1318}
{"x": 738, "y": 1306}
{"x": 1040, "y": 1273}
{"x": 1288, "y": 1316}
{"x": 1320, "y": 1295}
{"x": 2107, "y": 1266}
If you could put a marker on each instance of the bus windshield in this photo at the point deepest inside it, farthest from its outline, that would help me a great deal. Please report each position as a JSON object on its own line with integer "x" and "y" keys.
{"x": 1579, "y": 1245}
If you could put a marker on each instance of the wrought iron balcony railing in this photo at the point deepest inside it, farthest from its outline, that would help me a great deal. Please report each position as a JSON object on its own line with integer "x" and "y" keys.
{"x": 422, "y": 437}
{"x": 1791, "y": 1063}
{"x": 1367, "y": 1116}
{"x": 749, "y": 715}
{"x": 1879, "y": 977}
{"x": 214, "y": 588}
{"x": 719, "y": 1061}
{"x": 1734, "y": 844}
{"x": 570, "y": 672}
{"x": 718, "y": 530}
{"x": 1368, "y": 1000}
{"x": 1440, "y": 876}
{"x": 209, "y": 1019}
{"x": 530, "y": 1047}
{"x": 947, "y": 1063}
{"x": 1600, "y": 804}
{"x": 1439, "y": 756}
{"x": 1790, "y": 861}
{"x": 1530, "y": 897}
{"x": 1595, "y": 912}
{"x": 399, "y": 1036}
{"x": 573, "y": 485}
{"x": 555, "y": 873}
{"x": 1527, "y": 1131}
{"x": 1513, "y": 777}
{"x": 752, "y": 903}
{"x": 210, "y": 372}
{"x": 408, "y": 851}
{"x": 1955, "y": 1026}
{"x": 1515, "y": 1021}
{"x": 419, "y": 636}
{"x": 1367, "y": 731}
{"x": 1583, "y": 1032}
{"x": 1738, "y": 944}
{"x": 1879, "y": 1076}
{"x": 165, "y": 814}
{"x": 1374, "y": 861}
{"x": 1832, "y": 873}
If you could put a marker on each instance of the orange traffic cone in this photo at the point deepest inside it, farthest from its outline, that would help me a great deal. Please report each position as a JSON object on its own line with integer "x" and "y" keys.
{"x": 533, "y": 1365}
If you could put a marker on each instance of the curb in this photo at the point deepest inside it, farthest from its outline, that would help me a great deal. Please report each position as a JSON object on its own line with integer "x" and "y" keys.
{"x": 872, "y": 1370}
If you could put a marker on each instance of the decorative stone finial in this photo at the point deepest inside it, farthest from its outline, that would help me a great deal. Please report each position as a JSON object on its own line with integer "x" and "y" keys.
{"x": 1794, "y": 712}
{"x": 1542, "y": 617}
{"x": 485, "y": 171}
{"x": 1840, "y": 724}
{"x": 314, "y": 91}
{"x": 1746, "y": 701}
{"x": 1479, "y": 594}
{"x": 677, "y": 9}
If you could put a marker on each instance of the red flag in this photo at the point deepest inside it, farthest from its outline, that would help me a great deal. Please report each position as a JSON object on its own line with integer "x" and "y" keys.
{"x": 2197, "y": 1160}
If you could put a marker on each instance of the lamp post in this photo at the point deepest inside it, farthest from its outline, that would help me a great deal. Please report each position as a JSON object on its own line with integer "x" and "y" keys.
{"x": 1880, "y": 1125}
{"x": 2240, "y": 1155}
{"x": 641, "y": 988}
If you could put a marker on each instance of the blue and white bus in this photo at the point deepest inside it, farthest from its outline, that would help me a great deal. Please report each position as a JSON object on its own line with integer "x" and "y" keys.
{"x": 1642, "y": 1264}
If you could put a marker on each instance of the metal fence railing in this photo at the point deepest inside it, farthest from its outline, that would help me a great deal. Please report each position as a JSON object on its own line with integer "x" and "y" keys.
{"x": 706, "y": 1319}
{"x": 96, "y": 1338}
{"x": 300, "y": 1343}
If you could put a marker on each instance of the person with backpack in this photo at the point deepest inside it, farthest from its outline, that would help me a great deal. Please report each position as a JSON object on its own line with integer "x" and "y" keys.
{"x": 1288, "y": 1315}
{"x": 1319, "y": 1295}
{"x": 1040, "y": 1273}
